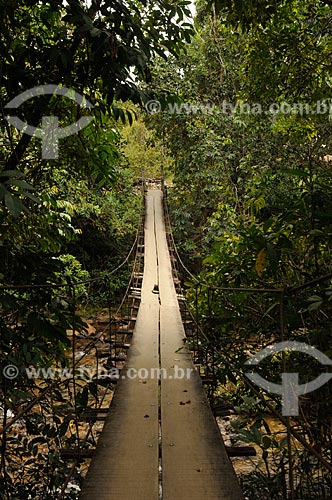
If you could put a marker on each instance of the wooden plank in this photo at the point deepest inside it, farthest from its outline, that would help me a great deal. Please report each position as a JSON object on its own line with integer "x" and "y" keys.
{"x": 74, "y": 454}
{"x": 241, "y": 451}
{"x": 125, "y": 465}
{"x": 223, "y": 410}
{"x": 195, "y": 464}
{"x": 93, "y": 418}
{"x": 123, "y": 332}
{"x": 118, "y": 345}
{"x": 194, "y": 460}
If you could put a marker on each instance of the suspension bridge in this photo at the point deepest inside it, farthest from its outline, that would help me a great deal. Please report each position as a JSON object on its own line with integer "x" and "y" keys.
{"x": 160, "y": 439}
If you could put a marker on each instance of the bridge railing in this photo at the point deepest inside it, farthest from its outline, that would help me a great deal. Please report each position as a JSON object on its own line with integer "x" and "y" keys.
{"x": 64, "y": 407}
{"x": 223, "y": 354}
{"x": 202, "y": 351}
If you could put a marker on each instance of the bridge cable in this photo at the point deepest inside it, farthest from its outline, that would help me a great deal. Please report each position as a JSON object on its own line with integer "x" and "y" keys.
{"x": 230, "y": 362}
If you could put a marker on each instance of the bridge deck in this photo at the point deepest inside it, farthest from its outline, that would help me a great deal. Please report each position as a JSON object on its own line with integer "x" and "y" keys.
{"x": 165, "y": 422}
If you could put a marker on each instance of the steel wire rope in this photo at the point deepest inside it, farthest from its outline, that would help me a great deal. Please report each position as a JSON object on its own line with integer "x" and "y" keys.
{"x": 38, "y": 398}
{"x": 133, "y": 269}
{"x": 100, "y": 334}
{"x": 84, "y": 282}
{"x": 89, "y": 431}
{"x": 41, "y": 397}
{"x": 229, "y": 361}
{"x": 58, "y": 383}
{"x": 287, "y": 290}
{"x": 198, "y": 282}
{"x": 64, "y": 486}
{"x": 83, "y": 442}
{"x": 24, "y": 411}
{"x": 73, "y": 294}
{"x": 128, "y": 286}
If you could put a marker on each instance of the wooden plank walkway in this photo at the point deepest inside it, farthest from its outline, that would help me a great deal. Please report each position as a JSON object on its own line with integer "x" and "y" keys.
{"x": 164, "y": 422}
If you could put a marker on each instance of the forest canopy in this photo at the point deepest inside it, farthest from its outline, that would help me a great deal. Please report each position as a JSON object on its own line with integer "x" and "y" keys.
{"x": 236, "y": 106}
{"x": 251, "y": 205}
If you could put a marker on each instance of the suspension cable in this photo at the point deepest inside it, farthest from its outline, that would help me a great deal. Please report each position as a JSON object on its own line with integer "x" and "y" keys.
{"x": 84, "y": 282}
{"x": 228, "y": 361}
{"x": 287, "y": 290}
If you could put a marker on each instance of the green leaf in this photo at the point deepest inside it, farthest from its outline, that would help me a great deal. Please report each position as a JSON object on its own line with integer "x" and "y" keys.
{"x": 296, "y": 172}
{"x": 130, "y": 117}
{"x": 31, "y": 196}
{"x": 20, "y": 183}
{"x": 14, "y": 205}
{"x": 266, "y": 442}
{"x": 3, "y": 191}
{"x": 314, "y": 306}
{"x": 272, "y": 256}
{"x": 11, "y": 173}
{"x": 315, "y": 298}
{"x": 63, "y": 427}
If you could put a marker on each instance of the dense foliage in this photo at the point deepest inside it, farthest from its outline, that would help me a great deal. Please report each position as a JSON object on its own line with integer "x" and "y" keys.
{"x": 252, "y": 208}
{"x": 65, "y": 223}
{"x": 246, "y": 118}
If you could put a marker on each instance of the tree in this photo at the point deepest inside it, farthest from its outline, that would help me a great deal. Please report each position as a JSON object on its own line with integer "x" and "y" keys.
{"x": 70, "y": 219}
{"x": 252, "y": 201}
{"x": 98, "y": 49}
